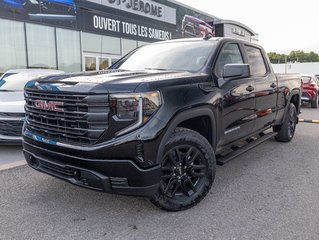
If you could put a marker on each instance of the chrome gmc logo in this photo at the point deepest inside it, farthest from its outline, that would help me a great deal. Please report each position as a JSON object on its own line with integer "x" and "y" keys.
{"x": 49, "y": 105}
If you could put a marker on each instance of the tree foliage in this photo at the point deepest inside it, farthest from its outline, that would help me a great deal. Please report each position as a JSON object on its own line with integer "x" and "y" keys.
{"x": 293, "y": 56}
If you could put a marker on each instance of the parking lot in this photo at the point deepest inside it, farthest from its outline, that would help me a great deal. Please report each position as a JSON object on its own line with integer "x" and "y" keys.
{"x": 271, "y": 192}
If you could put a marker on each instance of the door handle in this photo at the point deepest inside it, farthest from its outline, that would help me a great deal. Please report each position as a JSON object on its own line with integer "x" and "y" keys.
{"x": 273, "y": 85}
{"x": 250, "y": 88}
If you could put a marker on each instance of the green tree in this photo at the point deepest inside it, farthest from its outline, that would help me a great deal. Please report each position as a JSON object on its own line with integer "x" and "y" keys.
{"x": 293, "y": 56}
{"x": 276, "y": 58}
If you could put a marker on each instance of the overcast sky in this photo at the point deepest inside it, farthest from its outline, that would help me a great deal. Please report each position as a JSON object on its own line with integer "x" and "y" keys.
{"x": 282, "y": 25}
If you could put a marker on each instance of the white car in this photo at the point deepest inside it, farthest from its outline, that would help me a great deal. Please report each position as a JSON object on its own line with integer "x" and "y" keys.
{"x": 12, "y": 101}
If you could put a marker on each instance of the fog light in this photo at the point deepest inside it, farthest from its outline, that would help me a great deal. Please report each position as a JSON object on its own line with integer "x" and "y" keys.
{"x": 33, "y": 161}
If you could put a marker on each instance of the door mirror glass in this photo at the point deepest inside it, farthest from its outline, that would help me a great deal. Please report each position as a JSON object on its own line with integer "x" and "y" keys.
{"x": 235, "y": 71}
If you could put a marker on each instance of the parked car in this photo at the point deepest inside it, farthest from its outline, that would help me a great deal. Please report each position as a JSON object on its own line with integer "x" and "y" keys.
{"x": 12, "y": 4}
{"x": 159, "y": 120}
{"x": 51, "y": 9}
{"x": 195, "y": 27}
{"x": 310, "y": 89}
{"x": 12, "y": 101}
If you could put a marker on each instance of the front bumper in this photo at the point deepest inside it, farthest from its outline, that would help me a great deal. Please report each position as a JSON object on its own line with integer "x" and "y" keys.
{"x": 118, "y": 176}
{"x": 11, "y": 130}
{"x": 4, "y": 139}
{"x": 308, "y": 95}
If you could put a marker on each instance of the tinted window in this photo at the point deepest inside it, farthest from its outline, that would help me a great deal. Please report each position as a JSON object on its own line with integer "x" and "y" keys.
{"x": 184, "y": 56}
{"x": 256, "y": 61}
{"x": 7, "y": 75}
{"x": 2, "y": 81}
{"x": 229, "y": 55}
{"x": 305, "y": 79}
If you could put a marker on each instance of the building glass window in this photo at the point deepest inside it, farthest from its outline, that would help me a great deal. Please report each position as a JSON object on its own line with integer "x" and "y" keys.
{"x": 101, "y": 44}
{"x": 12, "y": 50}
{"x": 128, "y": 45}
{"x": 69, "y": 50}
{"x": 90, "y": 63}
{"x": 41, "y": 46}
{"x": 111, "y": 45}
{"x": 91, "y": 42}
{"x": 103, "y": 63}
{"x": 140, "y": 43}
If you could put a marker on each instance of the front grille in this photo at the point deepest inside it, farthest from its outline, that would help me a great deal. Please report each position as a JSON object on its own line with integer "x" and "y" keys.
{"x": 82, "y": 120}
{"x": 11, "y": 114}
{"x": 11, "y": 128}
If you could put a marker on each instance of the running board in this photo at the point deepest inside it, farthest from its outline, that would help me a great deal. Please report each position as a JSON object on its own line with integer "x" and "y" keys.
{"x": 240, "y": 150}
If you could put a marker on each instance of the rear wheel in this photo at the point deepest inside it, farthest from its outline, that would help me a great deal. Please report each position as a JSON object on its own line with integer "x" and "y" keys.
{"x": 188, "y": 171}
{"x": 288, "y": 127}
{"x": 314, "y": 103}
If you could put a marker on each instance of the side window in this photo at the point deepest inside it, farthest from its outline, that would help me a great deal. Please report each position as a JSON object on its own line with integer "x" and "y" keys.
{"x": 256, "y": 61}
{"x": 230, "y": 54}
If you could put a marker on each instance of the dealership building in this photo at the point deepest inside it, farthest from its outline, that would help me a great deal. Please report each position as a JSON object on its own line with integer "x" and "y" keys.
{"x": 89, "y": 35}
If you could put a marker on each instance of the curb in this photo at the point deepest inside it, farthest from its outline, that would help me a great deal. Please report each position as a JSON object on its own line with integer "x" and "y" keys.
{"x": 12, "y": 165}
{"x": 309, "y": 121}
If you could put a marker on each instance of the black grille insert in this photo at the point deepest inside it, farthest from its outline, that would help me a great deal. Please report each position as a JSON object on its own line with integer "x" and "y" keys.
{"x": 65, "y": 171}
{"x": 11, "y": 127}
{"x": 82, "y": 120}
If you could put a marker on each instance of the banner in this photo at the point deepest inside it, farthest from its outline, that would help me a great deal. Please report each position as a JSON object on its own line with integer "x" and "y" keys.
{"x": 143, "y": 20}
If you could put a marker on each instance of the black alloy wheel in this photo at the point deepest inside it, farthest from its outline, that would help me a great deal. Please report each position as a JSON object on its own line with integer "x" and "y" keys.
{"x": 292, "y": 122}
{"x": 188, "y": 169}
{"x": 314, "y": 103}
{"x": 183, "y": 169}
{"x": 287, "y": 129}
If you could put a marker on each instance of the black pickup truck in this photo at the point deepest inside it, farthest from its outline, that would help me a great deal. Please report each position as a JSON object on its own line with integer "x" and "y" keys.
{"x": 159, "y": 121}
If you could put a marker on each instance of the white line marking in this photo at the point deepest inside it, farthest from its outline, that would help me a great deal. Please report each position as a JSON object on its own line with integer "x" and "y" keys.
{"x": 12, "y": 165}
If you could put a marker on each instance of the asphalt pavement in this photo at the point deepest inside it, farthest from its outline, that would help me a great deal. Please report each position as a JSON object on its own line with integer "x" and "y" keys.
{"x": 270, "y": 192}
{"x": 9, "y": 154}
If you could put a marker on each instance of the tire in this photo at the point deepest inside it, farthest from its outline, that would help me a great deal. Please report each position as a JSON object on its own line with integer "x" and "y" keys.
{"x": 287, "y": 130}
{"x": 314, "y": 103}
{"x": 188, "y": 171}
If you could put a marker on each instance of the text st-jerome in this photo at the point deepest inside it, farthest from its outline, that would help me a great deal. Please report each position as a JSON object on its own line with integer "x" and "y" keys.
{"x": 142, "y": 6}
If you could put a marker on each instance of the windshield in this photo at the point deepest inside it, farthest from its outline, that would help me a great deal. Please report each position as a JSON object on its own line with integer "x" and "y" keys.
{"x": 305, "y": 79}
{"x": 182, "y": 56}
{"x": 2, "y": 81}
{"x": 17, "y": 81}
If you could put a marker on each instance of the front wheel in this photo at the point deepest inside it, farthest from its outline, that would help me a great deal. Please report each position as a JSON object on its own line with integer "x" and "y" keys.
{"x": 188, "y": 171}
{"x": 288, "y": 127}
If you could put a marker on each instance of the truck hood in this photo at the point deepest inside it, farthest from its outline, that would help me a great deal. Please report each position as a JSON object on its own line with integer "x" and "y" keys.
{"x": 11, "y": 102}
{"x": 110, "y": 81}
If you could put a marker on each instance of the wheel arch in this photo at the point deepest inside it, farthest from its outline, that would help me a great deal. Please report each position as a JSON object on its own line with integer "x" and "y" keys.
{"x": 188, "y": 119}
{"x": 295, "y": 99}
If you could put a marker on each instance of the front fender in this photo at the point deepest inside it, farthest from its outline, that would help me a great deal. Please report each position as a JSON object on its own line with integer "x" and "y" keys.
{"x": 203, "y": 111}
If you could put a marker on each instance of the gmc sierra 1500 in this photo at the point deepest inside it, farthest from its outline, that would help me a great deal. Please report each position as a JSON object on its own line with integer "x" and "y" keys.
{"x": 159, "y": 121}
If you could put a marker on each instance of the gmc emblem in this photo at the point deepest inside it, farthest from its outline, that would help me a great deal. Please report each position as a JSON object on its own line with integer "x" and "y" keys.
{"x": 49, "y": 105}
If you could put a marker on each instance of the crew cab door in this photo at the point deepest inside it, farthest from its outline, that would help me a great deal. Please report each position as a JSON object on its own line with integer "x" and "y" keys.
{"x": 265, "y": 87}
{"x": 238, "y": 97}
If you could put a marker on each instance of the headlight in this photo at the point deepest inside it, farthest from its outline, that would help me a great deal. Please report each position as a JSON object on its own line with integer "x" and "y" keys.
{"x": 134, "y": 107}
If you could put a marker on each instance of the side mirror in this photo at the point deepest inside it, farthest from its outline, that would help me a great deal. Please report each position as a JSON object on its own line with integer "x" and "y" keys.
{"x": 235, "y": 71}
